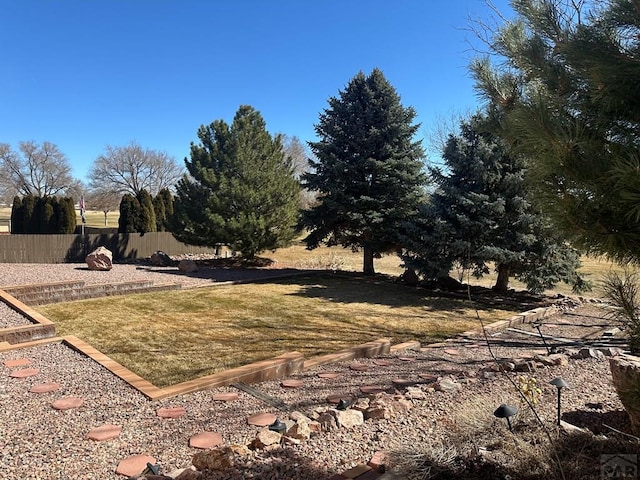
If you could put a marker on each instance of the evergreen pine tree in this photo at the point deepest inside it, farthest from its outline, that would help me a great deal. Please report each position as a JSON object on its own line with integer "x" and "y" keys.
{"x": 566, "y": 98}
{"x": 128, "y": 221}
{"x": 54, "y": 220}
{"x": 369, "y": 172}
{"x": 17, "y": 216}
{"x": 29, "y": 204}
{"x": 479, "y": 213}
{"x": 146, "y": 215}
{"x": 241, "y": 191}
{"x": 163, "y": 206}
{"x": 160, "y": 213}
{"x": 68, "y": 218}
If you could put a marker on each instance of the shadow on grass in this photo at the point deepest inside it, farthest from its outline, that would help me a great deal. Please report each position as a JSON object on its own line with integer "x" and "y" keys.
{"x": 380, "y": 290}
{"x": 353, "y": 287}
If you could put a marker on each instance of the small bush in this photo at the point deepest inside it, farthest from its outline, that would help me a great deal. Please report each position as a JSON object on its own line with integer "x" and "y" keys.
{"x": 623, "y": 292}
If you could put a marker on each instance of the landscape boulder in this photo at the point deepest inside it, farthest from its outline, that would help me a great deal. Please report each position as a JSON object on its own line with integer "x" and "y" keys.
{"x": 300, "y": 429}
{"x": 625, "y": 372}
{"x": 161, "y": 259}
{"x": 348, "y": 418}
{"x": 447, "y": 385}
{"x": 187, "y": 266}
{"x": 264, "y": 438}
{"x": 215, "y": 459}
{"x": 100, "y": 259}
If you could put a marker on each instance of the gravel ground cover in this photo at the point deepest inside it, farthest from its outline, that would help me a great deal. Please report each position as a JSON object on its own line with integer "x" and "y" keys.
{"x": 10, "y": 318}
{"x": 13, "y": 274}
{"x": 39, "y": 442}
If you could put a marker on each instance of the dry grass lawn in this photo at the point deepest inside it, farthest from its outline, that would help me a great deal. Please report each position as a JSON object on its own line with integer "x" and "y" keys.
{"x": 171, "y": 337}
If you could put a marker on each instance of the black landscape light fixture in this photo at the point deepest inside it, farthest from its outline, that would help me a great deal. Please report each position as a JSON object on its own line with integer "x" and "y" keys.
{"x": 151, "y": 469}
{"x": 278, "y": 426}
{"x": 506, "y": 411}
{"x": 559, "y": 383}
{"x": 343, "y": 404}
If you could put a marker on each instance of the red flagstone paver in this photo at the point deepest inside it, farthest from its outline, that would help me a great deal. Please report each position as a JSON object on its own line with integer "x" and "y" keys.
{"x": 402, "y": 382}
{"x": 381, "y": 362}
{"x": 134, "y": 465}
{"x": 104, "y": 432}
{"x": 171, "y": 412}
{"x": 335, "y": 398}
{"x": 206, "y": 440}
{"x": 292, "y": 383}
{"x": 18, "y": 362}
{"x": 225, "y": 397}
{"x": 261, "y": 419}
{"x": 329, "y": 375}
{"x": 44, "y": 387}
{"x": 429, "y": 377}
{"x": 407, "y": 359}
{"x": 66, "y": 403}
{"x": 359, "y": 367}
{"x": 369, "y": 389}
{"x": 452, "y": 351}
{"x": 24, "y": 373}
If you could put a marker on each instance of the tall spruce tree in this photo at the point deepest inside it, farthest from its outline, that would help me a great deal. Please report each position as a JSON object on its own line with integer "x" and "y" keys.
{"x": 241, "y": 191}
{"x": 369, "y": 171}
{"x": 565, "y": 95}
{"x": 479, "y": 214}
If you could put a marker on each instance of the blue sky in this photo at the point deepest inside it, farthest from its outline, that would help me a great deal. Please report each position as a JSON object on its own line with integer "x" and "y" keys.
{"x": 85, "y": 74}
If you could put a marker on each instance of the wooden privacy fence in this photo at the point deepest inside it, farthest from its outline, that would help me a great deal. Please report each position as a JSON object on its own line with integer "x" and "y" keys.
{"x": 74, "y": 248}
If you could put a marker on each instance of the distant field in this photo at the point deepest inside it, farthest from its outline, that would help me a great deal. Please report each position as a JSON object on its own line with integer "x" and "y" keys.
{"x": 94, "y": 218}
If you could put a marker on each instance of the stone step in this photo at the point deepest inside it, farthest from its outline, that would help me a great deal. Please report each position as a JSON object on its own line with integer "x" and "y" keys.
{"x": 71, "y": 291}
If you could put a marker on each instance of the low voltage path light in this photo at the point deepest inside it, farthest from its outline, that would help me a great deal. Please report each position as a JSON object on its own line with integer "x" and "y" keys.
{"x": 506, "y": 411}
{"x": 151, "y": 469}
{"x": 559, "y": 383}
{"x": 278, "y": 426}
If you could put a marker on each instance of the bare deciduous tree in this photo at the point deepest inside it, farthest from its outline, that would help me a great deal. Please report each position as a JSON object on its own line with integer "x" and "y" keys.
{"x": 38, "y": 170}
{"x": 132, "y": 168}
{"x": 299, "y": 154}
{"x": 104, "y": 200}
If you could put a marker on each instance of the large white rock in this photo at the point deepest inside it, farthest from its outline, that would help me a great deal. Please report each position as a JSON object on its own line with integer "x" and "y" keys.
{"x": 100, "y": 259}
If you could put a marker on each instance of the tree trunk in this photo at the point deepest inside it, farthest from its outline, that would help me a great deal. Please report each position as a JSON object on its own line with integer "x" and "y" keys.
{"x": 367, "y": 267}
{"x": 502, "y": 282}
